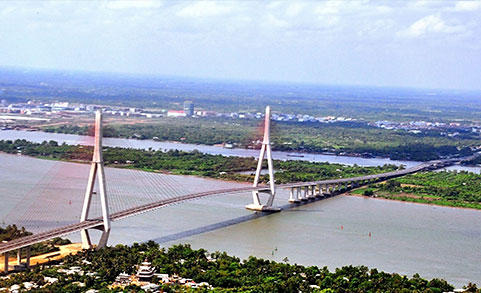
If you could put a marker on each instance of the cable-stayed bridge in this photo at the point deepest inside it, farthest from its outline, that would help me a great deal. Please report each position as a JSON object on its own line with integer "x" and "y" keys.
{"x": 153, "y": 191}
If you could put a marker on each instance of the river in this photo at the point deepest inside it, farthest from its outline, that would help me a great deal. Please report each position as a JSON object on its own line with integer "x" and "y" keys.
{"x": 73, "y": 139}
{"x": 406, "y": 238}
{"x": 36, "y": 136}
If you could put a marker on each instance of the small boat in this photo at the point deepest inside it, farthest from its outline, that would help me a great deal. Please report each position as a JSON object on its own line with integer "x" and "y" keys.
{"x": 296, "y": 156}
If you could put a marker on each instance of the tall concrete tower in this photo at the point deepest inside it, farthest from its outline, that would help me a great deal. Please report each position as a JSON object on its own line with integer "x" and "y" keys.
{"x": 96, "y": 168}
{"x": 266, "y": 148}
{"x": 189, "y": 108}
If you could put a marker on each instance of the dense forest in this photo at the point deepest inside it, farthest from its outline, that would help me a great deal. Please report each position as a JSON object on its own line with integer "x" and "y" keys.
{"x": 226, "y": 273}
{"x": 450, "y": 188}
{"x": 339, "y": 138}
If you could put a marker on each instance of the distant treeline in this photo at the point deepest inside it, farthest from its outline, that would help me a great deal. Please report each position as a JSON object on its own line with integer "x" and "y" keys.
{"x": 339, "y": 138}
{"x": 191, "y": 163}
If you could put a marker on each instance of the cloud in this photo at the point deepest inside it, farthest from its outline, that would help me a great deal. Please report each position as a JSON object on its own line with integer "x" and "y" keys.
{"x": 467, "y": 6}
{"x": 294, "y": 9}
{"x": 272, "y": 21}
{"x": 204, "y": 9}
{"x": 124, "y": 4}
{"x": 430, "y": 24}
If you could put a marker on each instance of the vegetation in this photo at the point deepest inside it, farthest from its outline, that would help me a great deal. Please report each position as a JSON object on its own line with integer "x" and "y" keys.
{"x": 339, "y": 138}
{"x": 226, "y": 273}
{"x": 191, "y": 163}
{"x": 447, "y": 188}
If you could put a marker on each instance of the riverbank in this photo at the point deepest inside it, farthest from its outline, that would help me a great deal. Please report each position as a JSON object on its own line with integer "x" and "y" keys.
{"x": 227, "y": 168}
{"x": 349, "y": 138}
{"x": 64, "y": 250}
{"x": 218, "y": 270}
{"x": 191, "y": 163}
{"x": 408, "y": 199}
{"x": 442, "y": 188}
{"x": 72, "y": 139}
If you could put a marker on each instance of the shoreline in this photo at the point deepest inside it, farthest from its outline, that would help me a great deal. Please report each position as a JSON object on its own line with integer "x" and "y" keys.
{"x": 299, "y": 152}
{"x": 406, "y": 201}
{"x": 64, "y": 250}
{"x": 223, "y": 180}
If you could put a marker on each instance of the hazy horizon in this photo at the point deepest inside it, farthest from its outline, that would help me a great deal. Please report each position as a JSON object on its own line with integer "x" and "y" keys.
{"x": 220, "y": 80}
{"x": 399, "y": 44}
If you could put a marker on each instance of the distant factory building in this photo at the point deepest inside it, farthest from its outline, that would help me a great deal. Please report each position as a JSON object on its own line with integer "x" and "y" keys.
{"x": 174, "y": 113}
{"x": 189, "y": 108}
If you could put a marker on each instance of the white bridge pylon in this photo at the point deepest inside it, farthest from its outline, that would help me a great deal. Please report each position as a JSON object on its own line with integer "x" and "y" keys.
{"x": 96, "y": 168}
{"x": 266, "y": 148}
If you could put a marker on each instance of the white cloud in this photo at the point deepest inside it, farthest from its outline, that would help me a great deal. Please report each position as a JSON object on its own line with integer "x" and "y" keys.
{"x": 130, "y": 4}
{"x": 272, "y": 21}
{"x": 430, "y": 24}
{"x": 204, "y": 9}
{"x": 294, "y": 9}
{"x": 467, "y": 6}
{"x": 329, "y": 7}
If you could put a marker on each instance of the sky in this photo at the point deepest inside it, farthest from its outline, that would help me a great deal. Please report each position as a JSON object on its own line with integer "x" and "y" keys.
{"x": 426, "y": 44}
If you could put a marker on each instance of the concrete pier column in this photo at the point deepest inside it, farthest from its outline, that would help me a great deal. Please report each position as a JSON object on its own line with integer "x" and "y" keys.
{"x": 304, "y": 193}
{"x": 19, "y": 256}
{"x": 336, "y": 187}
{"x": 27, "y": 260}
{"x": 5, "y": 268}
{"x": 293, "y": 195}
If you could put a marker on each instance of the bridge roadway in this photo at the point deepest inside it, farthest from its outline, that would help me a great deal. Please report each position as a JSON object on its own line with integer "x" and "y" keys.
{"x": 97, "y": 222}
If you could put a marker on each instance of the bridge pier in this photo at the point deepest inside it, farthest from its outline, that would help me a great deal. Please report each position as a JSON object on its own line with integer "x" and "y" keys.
{"x": 27, "y": 259}
{"x": 318, "y": 190}
{"x": 304, "y": 193}
{"x": 5, "y": 255}
{"x": 335, "y": 188}
{"x": 309, "y": 192}
{"x": 326, "y": 190}
{"x": 96, "y": 170}
{"x": 292, "y": 198}
{"x": 265, "y": 149}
